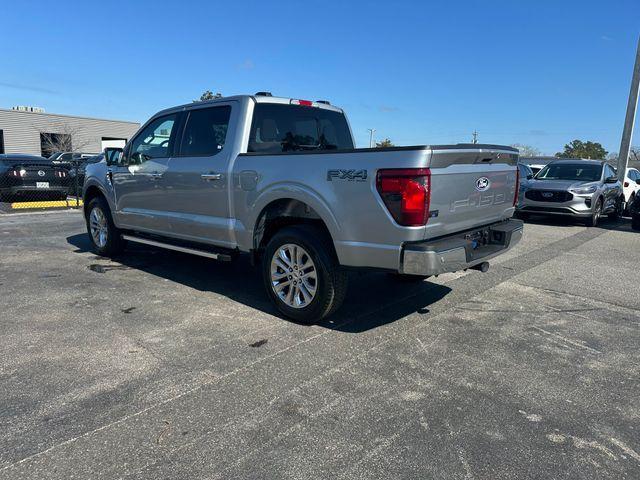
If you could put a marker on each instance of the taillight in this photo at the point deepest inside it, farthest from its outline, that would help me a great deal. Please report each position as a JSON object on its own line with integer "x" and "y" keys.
{"x": 61, "y": 174}
{"x": 19, "y": 173}
{"x": 515, "y": 195}
{"x": 406, "y": 192}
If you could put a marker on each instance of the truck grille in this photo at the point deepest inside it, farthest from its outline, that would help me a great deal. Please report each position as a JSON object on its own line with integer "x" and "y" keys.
{"x": 548, "y": 196}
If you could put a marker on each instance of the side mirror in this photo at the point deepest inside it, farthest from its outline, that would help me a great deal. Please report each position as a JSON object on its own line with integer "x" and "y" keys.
{"x": 113, "y": 155}
{"x": 611, "y": 180}
{"x": 529, "y": 176}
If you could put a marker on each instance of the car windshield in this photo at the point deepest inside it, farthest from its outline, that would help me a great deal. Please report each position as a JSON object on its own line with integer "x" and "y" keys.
{"x": 571, "y": 171}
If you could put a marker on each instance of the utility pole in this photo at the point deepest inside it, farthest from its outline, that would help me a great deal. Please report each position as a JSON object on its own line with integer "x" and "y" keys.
{"x": 371, "y": 132}
{"x": 627, "y": 132}
{"x": 475, "y": 137}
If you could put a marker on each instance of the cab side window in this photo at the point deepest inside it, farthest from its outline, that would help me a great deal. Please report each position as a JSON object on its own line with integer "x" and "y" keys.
{"x": 205, "y": 132}
{"x": 155, "y": 141}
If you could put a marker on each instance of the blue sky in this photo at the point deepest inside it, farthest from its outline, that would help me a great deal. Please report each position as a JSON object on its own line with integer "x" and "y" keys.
{"x": 532, "y": 72}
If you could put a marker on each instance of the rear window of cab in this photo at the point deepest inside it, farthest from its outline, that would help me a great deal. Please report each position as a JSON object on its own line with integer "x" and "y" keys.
{"x": 281, "y": 128}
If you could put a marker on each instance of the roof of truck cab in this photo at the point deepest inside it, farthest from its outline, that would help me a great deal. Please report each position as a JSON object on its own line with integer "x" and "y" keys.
{"x": 255, "y": 98}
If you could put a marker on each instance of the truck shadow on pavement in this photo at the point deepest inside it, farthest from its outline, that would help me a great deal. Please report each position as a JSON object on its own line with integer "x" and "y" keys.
{"x": 373, "y": 299}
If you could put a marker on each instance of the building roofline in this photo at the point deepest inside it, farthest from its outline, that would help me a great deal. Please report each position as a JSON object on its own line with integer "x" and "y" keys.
{"x": 67, "y": 116}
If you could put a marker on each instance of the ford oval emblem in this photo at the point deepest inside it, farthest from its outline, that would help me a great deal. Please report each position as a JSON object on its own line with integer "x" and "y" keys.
{"x": 482, "y": 184}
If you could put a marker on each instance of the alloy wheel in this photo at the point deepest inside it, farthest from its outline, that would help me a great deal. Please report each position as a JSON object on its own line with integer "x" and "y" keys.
{"x": 294, "y": 277}
{"x": 98, "y": 227}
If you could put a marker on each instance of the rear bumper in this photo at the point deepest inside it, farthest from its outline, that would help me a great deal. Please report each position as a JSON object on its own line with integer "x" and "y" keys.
{"x": 24, "y": 189}
{"x": 461, "y": 250}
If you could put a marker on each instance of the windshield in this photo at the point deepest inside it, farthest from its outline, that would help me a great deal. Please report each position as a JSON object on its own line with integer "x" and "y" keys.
{"x": 579, "y": 172}
{"x": 55, "y": 156}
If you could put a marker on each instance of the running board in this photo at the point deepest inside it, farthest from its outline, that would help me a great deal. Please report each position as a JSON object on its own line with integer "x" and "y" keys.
{"x": 223, "y": 257}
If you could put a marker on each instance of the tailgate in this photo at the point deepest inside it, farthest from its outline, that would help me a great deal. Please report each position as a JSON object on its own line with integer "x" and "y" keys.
{"x": 471, "y": 185}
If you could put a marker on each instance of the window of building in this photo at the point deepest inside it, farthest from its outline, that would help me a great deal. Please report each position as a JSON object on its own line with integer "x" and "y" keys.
{"x": 51, "y": 143}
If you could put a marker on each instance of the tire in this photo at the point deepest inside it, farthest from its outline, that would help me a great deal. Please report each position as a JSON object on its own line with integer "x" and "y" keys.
{"x": 112, "y": 243}
{"x": 617, "y": 212}
{"x": 315, "y": 296}
{"x": 627, "y": 210}
{"x": 635, "y": 222}
{"x": 405, "y": 278}
{"x": 522, "y": 215}
{"x": 595, "y": 214}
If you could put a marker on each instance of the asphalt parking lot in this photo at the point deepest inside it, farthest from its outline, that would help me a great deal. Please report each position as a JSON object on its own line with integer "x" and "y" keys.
{"x": 161, "y": 365}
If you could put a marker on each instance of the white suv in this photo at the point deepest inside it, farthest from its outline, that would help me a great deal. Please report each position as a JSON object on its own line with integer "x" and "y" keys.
{"x": 631, "y": 187}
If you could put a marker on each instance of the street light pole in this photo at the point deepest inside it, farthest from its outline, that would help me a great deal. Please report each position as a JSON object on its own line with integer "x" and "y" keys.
{"x": 371, "y": 131}
{"x": 627, "y": 132}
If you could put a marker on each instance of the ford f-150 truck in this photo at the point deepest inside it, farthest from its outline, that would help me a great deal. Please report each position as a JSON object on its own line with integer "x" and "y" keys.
{"x": 280, "y": 179}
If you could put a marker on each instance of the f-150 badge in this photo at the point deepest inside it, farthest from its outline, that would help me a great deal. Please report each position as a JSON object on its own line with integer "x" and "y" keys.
{"x": 349, "y": 175}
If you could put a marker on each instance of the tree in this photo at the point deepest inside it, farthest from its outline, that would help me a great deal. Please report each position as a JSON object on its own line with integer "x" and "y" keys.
{"x": 526, "y": 150}
{"x": 64, "y": 138}
{"x": 208, "y": 95}
{"x": 580, "y": 149}
{"x": 386, "y": 143}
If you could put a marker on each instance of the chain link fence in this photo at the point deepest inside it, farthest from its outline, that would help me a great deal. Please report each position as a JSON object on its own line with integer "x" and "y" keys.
{"x": 33, "y": 183}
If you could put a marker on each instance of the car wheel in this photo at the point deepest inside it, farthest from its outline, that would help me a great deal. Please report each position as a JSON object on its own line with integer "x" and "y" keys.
{"x": 617, "y": 212}
{"x": 595, "y": 214}
{"x": 635, "y": 222}
{"x": 627, "y": 210}
{"x": 104, "y": 235}
{"x": 302, "y": 275}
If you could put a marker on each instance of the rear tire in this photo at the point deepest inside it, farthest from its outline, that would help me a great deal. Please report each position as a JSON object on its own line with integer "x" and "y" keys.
{"x": 617, "y": 212}
{"x": 595, "y": 215}
{"x": 104, "y": 235}
{"x": 627, "y": 210}
{"x": 302, "y": 275}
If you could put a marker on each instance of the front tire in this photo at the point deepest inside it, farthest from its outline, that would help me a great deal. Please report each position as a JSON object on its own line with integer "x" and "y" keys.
{"x": 105, "y": 236}
{"x": 302, "y": 275}
{"x": 595, "y": 215}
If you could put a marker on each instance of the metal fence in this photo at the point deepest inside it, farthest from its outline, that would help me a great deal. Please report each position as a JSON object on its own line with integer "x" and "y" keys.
{"x": 38, "y": 185}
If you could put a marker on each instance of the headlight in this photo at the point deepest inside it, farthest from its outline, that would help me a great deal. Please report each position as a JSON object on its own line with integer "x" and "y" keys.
{"x": 584, "y": 190}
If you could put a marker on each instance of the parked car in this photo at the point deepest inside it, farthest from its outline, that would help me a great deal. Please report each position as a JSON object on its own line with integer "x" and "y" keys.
{"x": 75, "y": 164}
{"x": 585, "y": 189}
{"x": 631, "y": 186}
{"x": 525, "y": 174}
{"x": 30, "y": 177}
{"x": 280, "y": 179}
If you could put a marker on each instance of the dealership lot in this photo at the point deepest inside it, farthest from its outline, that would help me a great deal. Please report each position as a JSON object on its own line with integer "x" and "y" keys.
{"x": 162, "y": 365}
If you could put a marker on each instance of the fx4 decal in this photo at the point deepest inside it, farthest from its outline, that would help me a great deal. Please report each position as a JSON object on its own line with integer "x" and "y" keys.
{"x": 349, "y": 175}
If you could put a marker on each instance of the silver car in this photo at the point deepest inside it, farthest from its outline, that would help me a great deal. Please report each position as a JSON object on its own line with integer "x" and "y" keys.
{"x": 586, "y": 189}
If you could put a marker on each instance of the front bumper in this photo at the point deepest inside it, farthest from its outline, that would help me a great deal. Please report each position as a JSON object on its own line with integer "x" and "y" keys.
{"x": 461, "y": 250}
{"x": 578, "y": 206}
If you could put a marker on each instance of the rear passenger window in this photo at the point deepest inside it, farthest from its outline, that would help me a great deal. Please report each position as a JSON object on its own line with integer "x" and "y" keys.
{"x": 278, "y": 128}
{"x": 205, "y": 131}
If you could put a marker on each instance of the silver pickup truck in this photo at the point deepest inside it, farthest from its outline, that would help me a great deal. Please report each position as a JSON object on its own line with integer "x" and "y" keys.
{"x": 280, "y": 179}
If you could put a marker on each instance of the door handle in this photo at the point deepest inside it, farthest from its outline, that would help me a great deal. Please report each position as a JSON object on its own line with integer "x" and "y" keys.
{"x": 211, "y": 176}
